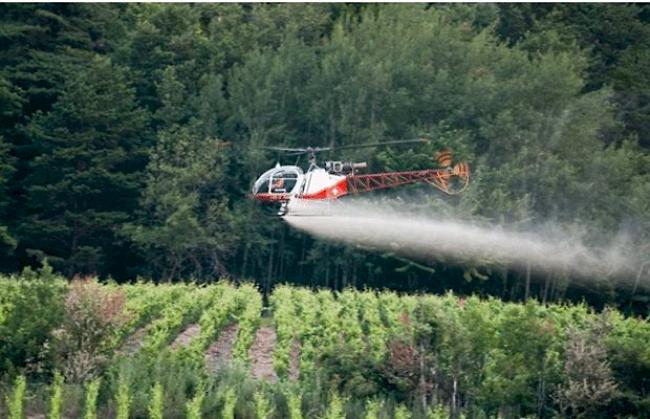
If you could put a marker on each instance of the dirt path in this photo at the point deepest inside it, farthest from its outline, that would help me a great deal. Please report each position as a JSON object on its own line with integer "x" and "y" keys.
{"x": 220, "y": 352}
{"x": 185, "y": 337}
{"x": 134, "y": 342}
{"x": 261, "y": 354}
{"x": 294, "y": 360}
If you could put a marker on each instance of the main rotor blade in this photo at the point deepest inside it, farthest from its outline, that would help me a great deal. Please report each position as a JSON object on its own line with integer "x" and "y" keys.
{"x": 295, "y": 151}
{"x": 286, "y": 149}
{"x": 414, "y": 140}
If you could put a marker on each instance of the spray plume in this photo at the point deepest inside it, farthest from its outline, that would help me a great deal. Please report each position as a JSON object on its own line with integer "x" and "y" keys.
{"x": 428, "y": 239}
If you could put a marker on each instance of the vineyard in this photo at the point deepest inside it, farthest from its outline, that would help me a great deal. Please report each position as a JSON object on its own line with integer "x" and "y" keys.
{"x": 84, "y": 349}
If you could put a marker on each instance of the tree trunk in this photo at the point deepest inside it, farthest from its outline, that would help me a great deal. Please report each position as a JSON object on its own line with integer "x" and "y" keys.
{"x": 504, "y": 283}
{"x": 454, "y": 396}
{"x": 244, "y": 264}
{"x": 269, "y": 271}
{"x": 527, "y": 292}
{"x": 423, "y": 382}
{"x": 547, "y": 283}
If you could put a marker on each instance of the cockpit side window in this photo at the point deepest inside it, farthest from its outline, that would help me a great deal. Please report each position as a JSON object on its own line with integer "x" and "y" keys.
{"x": 283, "y": 182}
{"x": 277, "y": 181}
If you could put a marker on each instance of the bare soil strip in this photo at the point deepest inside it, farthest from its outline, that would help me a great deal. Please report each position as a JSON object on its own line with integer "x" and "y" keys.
{"x": 134, "y": 342}
{"x": 185, "y": 337}
{"x": 294, "y": 360}
{"x": 220, "y": 352}
{"x": 261, "y": 354}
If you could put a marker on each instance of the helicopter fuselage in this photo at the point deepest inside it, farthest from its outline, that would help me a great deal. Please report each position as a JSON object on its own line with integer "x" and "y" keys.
{"x": 289, "y": 185}
{"x": 284, "y": 183}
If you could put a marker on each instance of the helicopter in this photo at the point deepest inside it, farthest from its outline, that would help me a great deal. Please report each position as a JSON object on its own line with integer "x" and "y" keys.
{"x": 289, "y": 185}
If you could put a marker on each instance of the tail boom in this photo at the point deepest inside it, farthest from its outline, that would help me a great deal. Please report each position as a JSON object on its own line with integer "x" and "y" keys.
{"x": 435, "y": 177}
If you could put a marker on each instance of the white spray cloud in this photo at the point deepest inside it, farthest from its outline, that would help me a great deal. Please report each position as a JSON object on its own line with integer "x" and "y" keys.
{"x": 423, "y": 238}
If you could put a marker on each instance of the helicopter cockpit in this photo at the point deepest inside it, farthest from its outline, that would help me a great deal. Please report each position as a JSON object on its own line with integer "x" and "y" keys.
{"x": 278, "y": 181}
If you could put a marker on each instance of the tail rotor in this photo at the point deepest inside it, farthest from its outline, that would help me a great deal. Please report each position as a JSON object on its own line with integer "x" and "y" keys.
{"x": 452, "y": 179}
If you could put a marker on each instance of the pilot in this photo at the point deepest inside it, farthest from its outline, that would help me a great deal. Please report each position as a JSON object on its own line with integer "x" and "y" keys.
{"x": 278, "y": 186}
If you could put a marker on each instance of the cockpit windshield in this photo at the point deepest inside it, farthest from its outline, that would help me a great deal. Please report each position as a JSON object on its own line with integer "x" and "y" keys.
{"x": 278, "y": 180}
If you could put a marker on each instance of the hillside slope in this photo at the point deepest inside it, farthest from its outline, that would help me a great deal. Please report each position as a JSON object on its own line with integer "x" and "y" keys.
{"x": 214, "y": 348}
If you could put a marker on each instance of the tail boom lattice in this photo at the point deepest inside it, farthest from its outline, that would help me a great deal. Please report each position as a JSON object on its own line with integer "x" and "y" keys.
{"x": 436, "y": 177}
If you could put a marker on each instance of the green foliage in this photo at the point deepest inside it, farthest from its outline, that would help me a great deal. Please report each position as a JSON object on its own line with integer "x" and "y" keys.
{"x": 402, "y": 412}
{"x": 522, "y": 373}
{"x": 94, "y": 136}
{"x": 286, "y": 327}
{"x": 373, "y": 408}
{"x": 294, "y": 403}
{"x": 248, "y": 320}
{"x": 438, "y": 412}
{"x": 215, "y": 317}
{"x": 123, "y": 399}
{"x": 443, "y": 356}
{"x": 194, "y": 405}
{"x": 156, "y": 403}
{"x": 56, "y": 401}
{"x": 30, "y": 308}
{"x": 263, "y": 409}
{"x": 16, "y": 401}
{"x": 176, "y": 315}
{"x": 92, "y": 391}
{"x": 335, "y": 408}
{"x": 229, "y": 402}
{"x": 188, "y": 226}
{"x": 7, "y": 241}
{"x": 130, "y": 135}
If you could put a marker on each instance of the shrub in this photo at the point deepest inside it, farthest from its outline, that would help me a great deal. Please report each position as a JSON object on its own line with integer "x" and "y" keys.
{"x": 56, "y": 402}
{"x": 589, "y": 382}
{"x": 402, "y": 412}
{"x": 373, "y": 407}
{"x": 156, "y": 403}
{"x": 335, "y": 408}
{"x": 263, "y": 409}
{"x": 91, "y": 399}
{"x": 230, "y": 401}
{"x": 402, "y": 365}
{"x": 294, "y": 403}
{"x": 31, "y": 306}
{"x": 194, "y": 405}
{"x": 92, "y": 315}
{"x": 123, "y": 399}
{"x": 438, "y": 412}
{"x": 16, "y": 400}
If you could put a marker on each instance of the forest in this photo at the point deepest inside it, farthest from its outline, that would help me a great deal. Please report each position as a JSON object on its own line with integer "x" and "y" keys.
{"x": 138, "y": 279}
{"x": 131, "y": 134}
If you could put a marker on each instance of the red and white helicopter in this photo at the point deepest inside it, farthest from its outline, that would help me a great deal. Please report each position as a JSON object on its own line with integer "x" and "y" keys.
{"x": 290, "y": 186}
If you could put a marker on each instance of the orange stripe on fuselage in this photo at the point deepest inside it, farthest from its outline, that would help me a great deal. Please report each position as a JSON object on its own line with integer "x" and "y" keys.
{"x": 337, "y": 190}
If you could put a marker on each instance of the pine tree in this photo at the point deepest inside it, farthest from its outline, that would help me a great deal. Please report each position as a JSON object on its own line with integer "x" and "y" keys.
{"x": 85, "y": 180}
{"x": 10, "y": 107}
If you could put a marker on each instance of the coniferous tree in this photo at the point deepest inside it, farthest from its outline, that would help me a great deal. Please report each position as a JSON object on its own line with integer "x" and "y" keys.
{"x": 187, "y": 225}
{"x": 85, "y": 181}
{"x": 10, "y": 107}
